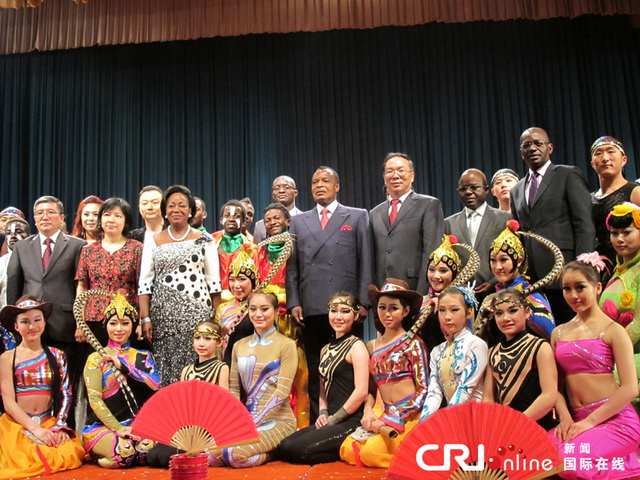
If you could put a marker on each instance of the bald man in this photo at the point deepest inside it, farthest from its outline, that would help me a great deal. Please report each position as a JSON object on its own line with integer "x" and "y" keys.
{"x": 284, "y": 191}
{"x": 554, "y": 202}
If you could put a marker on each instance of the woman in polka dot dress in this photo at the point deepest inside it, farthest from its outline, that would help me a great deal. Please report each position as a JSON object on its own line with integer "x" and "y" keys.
{"x": 179, "y": 285}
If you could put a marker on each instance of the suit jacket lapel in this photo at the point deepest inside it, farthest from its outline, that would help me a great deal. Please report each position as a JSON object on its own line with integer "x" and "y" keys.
{"x": 546, "y": 180}
{"x": 384, "y": 218}
{"x": 462, "y": 226}
{"x": 37, "y": 253}
{"x": 408, "y": 204}
{"x": 58, "y": 248}
{"x": 336, "y": 221}
{"x": 487, "y": 218}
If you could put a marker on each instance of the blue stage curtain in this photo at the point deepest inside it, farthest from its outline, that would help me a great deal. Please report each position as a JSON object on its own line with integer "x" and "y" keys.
{"x": 226, "y": 115}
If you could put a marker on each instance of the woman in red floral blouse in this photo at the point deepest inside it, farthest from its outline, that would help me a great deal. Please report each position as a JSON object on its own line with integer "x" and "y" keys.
{"x": 110, "y": 264}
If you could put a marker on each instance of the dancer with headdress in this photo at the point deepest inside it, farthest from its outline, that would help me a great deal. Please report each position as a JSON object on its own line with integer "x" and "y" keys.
{"x": 620, "y": 299}
{"x": 522, "y": 372}
{"x": 398, "y": 366}
{"x": 597, "y": 420}
{"x": 119, "y": 379}
{"x": 344, "y": 385}
{"x": 442, "y": 270}
{"x": 457, "y": 365}
{"x": 34, "y": 380}
{"x": 509, "y": 264}
{"x": 233, "y": 315}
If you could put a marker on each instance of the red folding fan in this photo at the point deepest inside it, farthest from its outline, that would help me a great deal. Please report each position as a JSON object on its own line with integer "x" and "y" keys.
{"x": 480, "y": 441}
{"x": 195, "y": 416}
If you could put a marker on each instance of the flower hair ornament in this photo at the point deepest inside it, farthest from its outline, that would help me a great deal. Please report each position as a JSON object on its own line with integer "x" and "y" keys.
{"x": 594, "y": 259}
{"x": 509, "y": 241}
{"x": 626, "y": 208}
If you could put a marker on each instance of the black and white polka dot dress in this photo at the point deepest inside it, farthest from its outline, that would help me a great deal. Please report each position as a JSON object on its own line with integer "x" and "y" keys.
{"x": 180, "y": 277}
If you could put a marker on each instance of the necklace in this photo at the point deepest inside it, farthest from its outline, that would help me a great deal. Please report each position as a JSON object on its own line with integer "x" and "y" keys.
{"x": 178, "y": 239}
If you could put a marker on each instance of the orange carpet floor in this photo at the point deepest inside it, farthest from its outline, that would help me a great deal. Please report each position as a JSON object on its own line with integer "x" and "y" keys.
{"x": 270, "y": 471}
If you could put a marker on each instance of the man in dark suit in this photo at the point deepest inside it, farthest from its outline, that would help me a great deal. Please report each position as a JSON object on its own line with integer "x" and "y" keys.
{"x": 44, "y": 265}
{"x": 402, "y": 246}
{"x": 478, "y": 224}
{"x": 554, "y": 202}
{"x": 332, "y": 253}
{"x": 149, "y": 200}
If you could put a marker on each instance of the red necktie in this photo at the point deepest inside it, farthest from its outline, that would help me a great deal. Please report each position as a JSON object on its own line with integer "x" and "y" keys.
{"x": 394, "y": 210}
{"x": 47, "y": 253}
{"x": 325, "y": 218}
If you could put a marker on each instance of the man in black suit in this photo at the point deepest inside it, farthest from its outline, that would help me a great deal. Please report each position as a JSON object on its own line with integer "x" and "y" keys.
{"x": 149, "y": 200}
{"x": 554, "y": 202}
{"x": 406, "y": 227}
{"x": 478, "y": 224}
{"x": 332, "y": 253}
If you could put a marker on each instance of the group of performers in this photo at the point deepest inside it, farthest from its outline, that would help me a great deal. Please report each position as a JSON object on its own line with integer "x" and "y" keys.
{"x": 577, "y": 380}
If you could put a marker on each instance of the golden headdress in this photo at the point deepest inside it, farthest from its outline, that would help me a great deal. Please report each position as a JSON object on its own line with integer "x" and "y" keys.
{"x": 120, "y": 306}
{"x": 446, "y": 253}
{"x": 626, "y": 208}
{"x": 509, "y": 242}
{"x": 243, "y": 264}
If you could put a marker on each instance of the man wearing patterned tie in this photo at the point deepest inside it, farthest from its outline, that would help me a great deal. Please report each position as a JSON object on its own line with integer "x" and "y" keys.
{"x": 552, "y": 201}
{"x": 406, "y": 227}
{"x": 332, "y": 253}
{"x": 44, "y": 265}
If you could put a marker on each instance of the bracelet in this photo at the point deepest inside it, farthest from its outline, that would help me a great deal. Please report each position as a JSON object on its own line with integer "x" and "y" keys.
{"x": 324, "y": 411}
{"x": 145, "y": 320}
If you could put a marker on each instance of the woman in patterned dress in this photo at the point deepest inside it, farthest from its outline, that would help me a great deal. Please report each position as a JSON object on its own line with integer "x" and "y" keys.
{"x": 179, "y": 284}
{"x": 262, "y": 370}
{"x": 110, "y": 264}
{"x": 344, "y": 385}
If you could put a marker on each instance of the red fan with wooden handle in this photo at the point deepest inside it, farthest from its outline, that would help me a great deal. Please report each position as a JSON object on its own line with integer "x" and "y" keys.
{"x": 480, "y": 441}
{"x": 195, "y": 416}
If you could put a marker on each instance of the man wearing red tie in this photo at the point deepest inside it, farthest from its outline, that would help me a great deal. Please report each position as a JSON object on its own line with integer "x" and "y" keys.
{"x": 406, "y": 227}
{"x": 332, "y": 253}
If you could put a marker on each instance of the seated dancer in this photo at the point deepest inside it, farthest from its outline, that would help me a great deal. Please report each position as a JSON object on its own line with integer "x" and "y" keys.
{"x": 509, "y": 263}
{"x": 457, "y": 365}
{"x": 344, "y": 385}
{"x": 207, "y": 341}
{"x": 596, "y": 419}
{"x": 262, "y": 369}
{"x": 620, "y": 299}
{"x": 443, "y": 268}
{"x": 276, "y": 222}
{"x": 398, "y": 366}
{"x": 232, "y": 315}
{"x": 118, "y": 383}
{"x": 522, "y": 371}
{"x": 34, "y": 381}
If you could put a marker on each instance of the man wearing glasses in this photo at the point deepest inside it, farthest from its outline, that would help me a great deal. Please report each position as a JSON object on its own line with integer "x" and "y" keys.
{"x": 552, "y": 201}
{"x": 44, "y": 265}
{"x": 406, "y": 227}
{"x": 478, "y": 224}
{"x": 283, "y": 190}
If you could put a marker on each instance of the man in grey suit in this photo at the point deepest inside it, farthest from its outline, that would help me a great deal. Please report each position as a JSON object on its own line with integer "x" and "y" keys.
{"x": 554, "y": 202}
{"x": 284, "y": 191}
{"x": 406, "y": 227}
{"x": 478, "y": 224}
{"x": 44, "y": 265}
{"x": 332, "y": 253}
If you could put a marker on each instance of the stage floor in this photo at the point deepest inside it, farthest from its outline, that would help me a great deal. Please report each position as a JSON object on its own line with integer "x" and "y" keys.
{"x": 270, "y": 471}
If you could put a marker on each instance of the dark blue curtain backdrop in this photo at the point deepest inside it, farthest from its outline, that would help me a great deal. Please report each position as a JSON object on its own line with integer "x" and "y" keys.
{"x": 225, "y": 116}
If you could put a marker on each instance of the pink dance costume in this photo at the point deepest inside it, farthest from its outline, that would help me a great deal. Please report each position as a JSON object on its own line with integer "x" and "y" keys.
{"x": 610, "y": 449}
